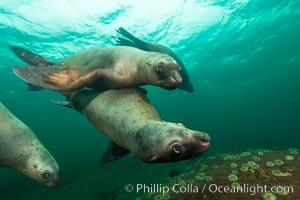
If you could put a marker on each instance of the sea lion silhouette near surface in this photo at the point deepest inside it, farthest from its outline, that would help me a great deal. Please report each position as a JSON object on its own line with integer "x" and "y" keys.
{"x": 133, "y": 124}
{"x": 99, "y": 68}
{"x": 133, "y": 41}
{"x": 22, "y": 150}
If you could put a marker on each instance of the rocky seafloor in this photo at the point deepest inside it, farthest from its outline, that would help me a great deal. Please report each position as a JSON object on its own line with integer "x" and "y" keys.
{"x": 247, "y": 175}
{"x": 254, "y": 174}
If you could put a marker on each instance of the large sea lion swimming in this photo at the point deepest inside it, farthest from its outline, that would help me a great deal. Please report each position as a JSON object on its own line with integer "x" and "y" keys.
{"x": 100, "y": 68}
{"x": 22, "y": 150}
{"x": 133, "y": 41}
{"x": 133, "y": 124}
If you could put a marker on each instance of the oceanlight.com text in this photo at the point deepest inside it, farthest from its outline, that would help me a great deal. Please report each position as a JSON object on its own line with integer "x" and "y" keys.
{"x": 211, "y": 188}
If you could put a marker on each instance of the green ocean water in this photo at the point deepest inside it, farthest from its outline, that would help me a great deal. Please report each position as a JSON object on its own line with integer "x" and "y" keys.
{"x": 243, "y": 57}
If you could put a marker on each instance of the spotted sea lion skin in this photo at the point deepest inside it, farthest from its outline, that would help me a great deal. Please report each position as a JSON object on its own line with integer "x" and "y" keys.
{"x": 99, "y": 68}
{"x": 133, "y": 124}
{"x": 21, "y": 149}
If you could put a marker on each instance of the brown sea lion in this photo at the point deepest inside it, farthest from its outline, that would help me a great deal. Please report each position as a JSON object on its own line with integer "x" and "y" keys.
{"x": 133, "y": 41}
{"x": 100, "y": 68}
{"x": 22, "y": 150}
{"x": 133, "y": 124}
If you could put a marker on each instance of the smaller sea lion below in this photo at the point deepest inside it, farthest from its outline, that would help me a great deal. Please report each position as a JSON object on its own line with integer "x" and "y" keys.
{"x": 133, "y": 124}
{"x": 99, "y": 68}
{"x": 131, "y": 40}
{"x": 22, "y": 150}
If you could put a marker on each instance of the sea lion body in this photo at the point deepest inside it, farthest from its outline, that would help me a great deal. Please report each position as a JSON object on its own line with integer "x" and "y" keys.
{"x": 131, "y": 40}
{"x": 133, "y": 124}
{"x": 100, "y": 68}
{"x": 22, "y": 150}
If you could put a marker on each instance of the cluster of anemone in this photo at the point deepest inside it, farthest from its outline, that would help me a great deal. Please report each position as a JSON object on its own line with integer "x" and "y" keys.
{"x": 282, "y": 192}
{"x": 253, "y": 165}
{"x": 244, "y": 168}
{"x": 212, "y": 158}
{"x": 246, "y": 153}
{"x": 181, "y": 182}
{"x": 233, "y": 165}
{"x": 215, "y": 166}
{"x": 234, "y": 171}
{"x": 255, "y": 158}
{"x": 270, "y": 164}
{"x": 162, "y": 197}
{"x": 278, "y": 162}
{"x": 200, "y": 176}
{"x": 190, "y": 181}
{"x": 233, "y": 177}
{"x": 236, "y": 185}
{"x": 293, "y": 151}
{"x": 201, "y": 173}
{"x": 260, "y": 153}
{"x": 268, "y": 196}
{"x": 277, "y": 172}
{"x": 231, "y": 157}
{"x": 289, "y": 157}
{"x": 227, "y": 157}
{"x": 208, "y": 178}
{"x": 203, "y": 167}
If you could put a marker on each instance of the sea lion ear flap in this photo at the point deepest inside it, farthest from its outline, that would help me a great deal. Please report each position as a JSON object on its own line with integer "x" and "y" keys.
{"x": 113, "y": 152}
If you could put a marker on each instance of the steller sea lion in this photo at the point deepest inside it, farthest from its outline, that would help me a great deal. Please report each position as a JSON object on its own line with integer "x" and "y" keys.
{"x": 133, "y": 41}
{"x": 99, "y": 68}
{"x": 133, "y": 124}
{"x": 22, "y": 150}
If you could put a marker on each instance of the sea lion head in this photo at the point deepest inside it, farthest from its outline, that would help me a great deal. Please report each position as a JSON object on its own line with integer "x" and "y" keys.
{"x": 166, "y": 71}
{"x": 43, "y": 168}
{"x": 170, "y": 142}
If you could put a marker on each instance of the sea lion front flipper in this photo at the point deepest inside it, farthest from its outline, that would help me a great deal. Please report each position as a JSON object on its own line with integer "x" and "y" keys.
{"x": 131, "y": 40}
{"x": 30, "y": 57}
{"x": 113, "y": 152}
{"x": 60, "y": 103}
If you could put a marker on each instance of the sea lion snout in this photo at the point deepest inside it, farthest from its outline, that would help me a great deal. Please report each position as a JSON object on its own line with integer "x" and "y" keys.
{"x": 171, "y": 81}
{"x": 168, "y": 72}
{"x": 43, "y": 168}
{"x": 176, "y": 80}
{"x": 50, "y": 178}
{"x": 55, "y": 181}
{"x": 201, "y": 143}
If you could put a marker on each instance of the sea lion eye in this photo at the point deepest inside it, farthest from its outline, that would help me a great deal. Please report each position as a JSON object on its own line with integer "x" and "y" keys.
{"x": 46, "y": 175}
{"x": 176, "y": 150}
{"x": 159, "y": 68}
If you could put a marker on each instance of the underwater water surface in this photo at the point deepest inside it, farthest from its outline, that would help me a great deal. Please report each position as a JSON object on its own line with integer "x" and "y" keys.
{"x": 243, "y": 58}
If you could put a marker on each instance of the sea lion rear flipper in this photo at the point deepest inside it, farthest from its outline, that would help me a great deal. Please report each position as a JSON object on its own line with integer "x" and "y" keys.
{"x": 186, "y": 84}
{"x": 124, "y": 42}
{"x": 34, "y": 76}
{"x": 58, "y": 78}
{"x": 31, "y": 87}
{"x": 30, "y": 57}
{"x": 131, "y": 40}
{"x": 113, "y": 152}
